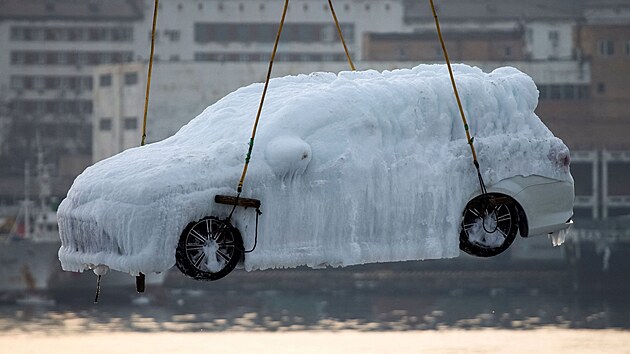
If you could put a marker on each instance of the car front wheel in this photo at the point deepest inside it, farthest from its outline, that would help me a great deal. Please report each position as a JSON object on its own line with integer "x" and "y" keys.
{"x": 209, "y": 249}
{"x": 489, "y": 225}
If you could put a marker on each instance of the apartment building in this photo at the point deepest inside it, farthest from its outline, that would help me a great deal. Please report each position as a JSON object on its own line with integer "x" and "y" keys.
{"x": 228, "y": 31}
{"x": 51, "y": 47}
{"x": 48, "y": 51}
{"x": 576, "y": 51}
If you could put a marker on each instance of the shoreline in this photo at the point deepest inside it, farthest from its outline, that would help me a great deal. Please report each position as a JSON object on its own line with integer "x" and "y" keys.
{"x": 541, "y": 340}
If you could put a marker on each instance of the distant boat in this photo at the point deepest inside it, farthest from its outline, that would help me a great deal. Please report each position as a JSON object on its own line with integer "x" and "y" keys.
{"x": 28, "y": 251}
{"x": 27, "y": 257}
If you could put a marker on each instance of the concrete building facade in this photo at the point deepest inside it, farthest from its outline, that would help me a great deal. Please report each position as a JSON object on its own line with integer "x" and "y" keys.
{"x": 219, "y": 30}
{"x": 576, "y": 50}
{"x": 51, "y": 47}
{"x": 48, "y": 51}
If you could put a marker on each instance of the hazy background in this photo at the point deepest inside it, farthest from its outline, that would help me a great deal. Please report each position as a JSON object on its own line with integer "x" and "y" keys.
{"x": 72, "y": 85}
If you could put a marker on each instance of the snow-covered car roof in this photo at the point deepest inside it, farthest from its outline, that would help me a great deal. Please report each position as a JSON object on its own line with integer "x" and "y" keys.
{"x": 351, "y": 168}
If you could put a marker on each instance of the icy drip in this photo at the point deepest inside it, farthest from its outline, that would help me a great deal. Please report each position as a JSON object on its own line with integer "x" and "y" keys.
{"x": 212, "y": 262}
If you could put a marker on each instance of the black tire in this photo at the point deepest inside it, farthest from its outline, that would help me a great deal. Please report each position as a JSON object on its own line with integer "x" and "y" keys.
{"x": 209, "y": 234}
{"x": 489, "y": 225}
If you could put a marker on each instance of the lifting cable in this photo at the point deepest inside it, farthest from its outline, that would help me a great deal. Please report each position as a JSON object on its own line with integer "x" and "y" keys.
{"x": 140, "y": 278}
{"x": 146, "y": 99}
{"x": 459, "y": 103}
{"x": 343, "y": 42}
{"x": 239, "y": 189}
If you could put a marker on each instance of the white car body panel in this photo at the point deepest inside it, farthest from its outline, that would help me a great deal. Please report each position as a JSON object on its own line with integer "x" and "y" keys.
{"x": 546, "y": 202}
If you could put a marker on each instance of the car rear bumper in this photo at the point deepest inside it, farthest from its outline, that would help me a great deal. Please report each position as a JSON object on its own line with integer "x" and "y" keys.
{"x": 548, "y": 207}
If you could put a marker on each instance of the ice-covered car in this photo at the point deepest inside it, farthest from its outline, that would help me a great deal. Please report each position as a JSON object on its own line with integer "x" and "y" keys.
{"x": 350, "y": 168}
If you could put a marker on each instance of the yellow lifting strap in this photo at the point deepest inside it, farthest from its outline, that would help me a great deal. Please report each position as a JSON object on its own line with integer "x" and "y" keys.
{"x": 239, "y": 189}
{"x": 459, "y": 102}
{"x": 146, "y": 100}
{"x": 343, "y": 42}
{"x": 262, "y": 98}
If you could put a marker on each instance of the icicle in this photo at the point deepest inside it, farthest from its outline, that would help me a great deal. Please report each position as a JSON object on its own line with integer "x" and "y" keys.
{"x": 98, "y": 288}
{"x": 99, "y": 270}
{"x": 140, "y": 283}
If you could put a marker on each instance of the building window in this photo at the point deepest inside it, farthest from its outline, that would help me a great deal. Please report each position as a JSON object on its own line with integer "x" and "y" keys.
{"x": 626, "y": 48}
{"x": 17, "y": 58}
{"x": 17, "y": 83}
{"x": 131, "y": 123}
{"x": 328, "y": 34}
{"x": 508, "y": 51}
{"x": 86, "y": 107}
{"x": 601, "y": 87}
{"x": 131, "y": 78}
{"x": 105, "y": 124}
{"x": 172, "y": 35}
{"x": 75, "y": 34}
{"x": 583, "y": 92}
{"x": 96, "y": 34}
{"x": 16, "y": 33}
{"x": 606, "y": 48}
{"x": 554, "y": 38}
{"x": 202, "y": 56}
{"x": 39, "y": 83}
{"x": 105, "y": 80}
{"x": 122, "y": 34}
{"x": 568, "y": 92}
{"x": 86, "y": 83}
{"x": 556, "y": 92}
{"x": 265, "y": 32}
{"x": 543, "y": 93}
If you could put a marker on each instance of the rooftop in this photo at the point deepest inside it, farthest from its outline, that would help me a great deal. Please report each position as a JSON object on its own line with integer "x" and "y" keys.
{"x": 91, "y": 10}
{"x": 455, "y": 10}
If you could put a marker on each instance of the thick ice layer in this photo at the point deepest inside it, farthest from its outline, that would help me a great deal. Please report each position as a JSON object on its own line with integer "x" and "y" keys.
{"x": 351, "y": 168}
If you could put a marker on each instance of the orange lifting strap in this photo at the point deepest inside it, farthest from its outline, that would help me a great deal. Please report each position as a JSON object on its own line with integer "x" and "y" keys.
{"x": 459, "y": 102}
{"x": 239, "y": 189}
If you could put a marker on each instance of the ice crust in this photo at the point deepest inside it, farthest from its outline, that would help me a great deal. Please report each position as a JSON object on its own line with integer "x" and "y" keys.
{"x": 351, "y": 168}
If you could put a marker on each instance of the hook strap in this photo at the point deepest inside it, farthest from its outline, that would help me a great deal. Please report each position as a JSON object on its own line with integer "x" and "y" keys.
{"x": 459, "y": 102}
{"x": 146, "y": 99}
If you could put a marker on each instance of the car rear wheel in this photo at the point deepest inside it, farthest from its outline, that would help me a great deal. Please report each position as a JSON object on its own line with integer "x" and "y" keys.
{"x": 209, "y": 249}
{"x": 489, "y": 225}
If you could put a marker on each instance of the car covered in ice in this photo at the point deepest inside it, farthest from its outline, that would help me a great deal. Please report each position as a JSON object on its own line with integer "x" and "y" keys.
{"x": 349, "y": 168}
